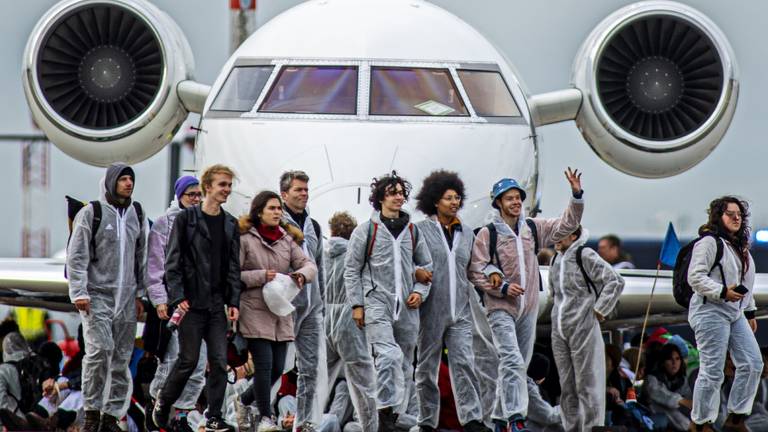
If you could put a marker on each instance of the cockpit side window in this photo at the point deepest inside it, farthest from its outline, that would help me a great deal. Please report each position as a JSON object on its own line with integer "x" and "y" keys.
{"x": 242, "y": 88}
{"x": 488, "y": 93}
{"x": 313, "y": 90}
{"x": 399, "y": 91}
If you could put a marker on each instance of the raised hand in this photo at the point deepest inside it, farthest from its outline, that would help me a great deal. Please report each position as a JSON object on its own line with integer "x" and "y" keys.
{"x": 574, "y": 179}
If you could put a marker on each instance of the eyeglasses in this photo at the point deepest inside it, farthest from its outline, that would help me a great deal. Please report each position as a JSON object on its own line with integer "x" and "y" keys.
{"x": 193, "y": 194}
{"x": 733, "y": 214}
{"x": 395, "y": 193}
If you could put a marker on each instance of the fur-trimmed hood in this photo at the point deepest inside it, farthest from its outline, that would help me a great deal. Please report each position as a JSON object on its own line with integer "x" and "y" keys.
{"x": 245, "y": 224}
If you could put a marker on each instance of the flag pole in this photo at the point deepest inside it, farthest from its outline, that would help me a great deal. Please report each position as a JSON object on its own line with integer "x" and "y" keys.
{"x": 645, "y": 320}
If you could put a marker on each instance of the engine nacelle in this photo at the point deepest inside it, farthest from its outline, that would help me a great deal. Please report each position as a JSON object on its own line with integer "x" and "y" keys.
{"x": 101, "y": 76}
{"x": 659, "y": 85}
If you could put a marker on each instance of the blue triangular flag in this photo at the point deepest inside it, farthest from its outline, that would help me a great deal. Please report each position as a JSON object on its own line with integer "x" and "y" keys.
{"x": 670, "y": 248}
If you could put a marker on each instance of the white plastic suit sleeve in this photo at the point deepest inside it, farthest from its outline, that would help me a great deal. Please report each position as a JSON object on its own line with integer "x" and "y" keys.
{"x": 353, "y": 264}
{"x": 702, "y": 260}
{"x": 609, "y": 283}
{"x": 79, "y": 254}
{"x": 480, "y": 268}
{"x": 422, "y": 260}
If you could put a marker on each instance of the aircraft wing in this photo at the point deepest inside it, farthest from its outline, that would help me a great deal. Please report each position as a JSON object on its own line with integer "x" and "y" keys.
{"x": 634, "y": 300}
{"x": 34, "y": 282}
{"x": 40, "y": 282}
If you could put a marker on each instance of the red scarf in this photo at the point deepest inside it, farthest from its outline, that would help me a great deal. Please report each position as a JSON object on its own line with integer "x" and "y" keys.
{"x": 268, "y": 233}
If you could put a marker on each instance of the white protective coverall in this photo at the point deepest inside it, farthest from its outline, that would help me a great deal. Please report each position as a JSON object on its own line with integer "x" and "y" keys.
{"x": 577, "y": 343}
{"x": 381, "y": 284}
{"x": 346, "y": 343}
{"x": 513, "y": 319}
{"x": 446, "y": 317}
{"x": 312, "y": 377}
{"x": 720, "y": 327}
{"x": 112, "y": 278}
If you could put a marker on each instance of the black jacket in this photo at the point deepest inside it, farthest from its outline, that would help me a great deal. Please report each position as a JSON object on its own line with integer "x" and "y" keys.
{"x": 187, "y": 261}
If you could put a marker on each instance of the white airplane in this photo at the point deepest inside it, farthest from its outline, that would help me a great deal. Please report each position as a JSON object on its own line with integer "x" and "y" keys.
{"x": 350, "y": 89}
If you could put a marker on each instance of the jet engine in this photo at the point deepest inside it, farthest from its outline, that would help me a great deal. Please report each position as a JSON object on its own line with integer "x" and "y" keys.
{"x": 659, "y": 86}
{"x": 101, "y": 78}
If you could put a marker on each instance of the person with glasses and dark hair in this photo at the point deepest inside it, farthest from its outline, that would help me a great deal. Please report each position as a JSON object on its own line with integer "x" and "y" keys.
{"x": 722, "y": 314}
{"x": 387, "y": 276}
{"x": 446, "y": 318}
{"x": 187, "y": 194}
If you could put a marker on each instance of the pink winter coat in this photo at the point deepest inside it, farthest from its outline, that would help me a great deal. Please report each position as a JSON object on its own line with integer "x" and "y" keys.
{"x": 550, "y": 231}
{"x": 256, "y": 257}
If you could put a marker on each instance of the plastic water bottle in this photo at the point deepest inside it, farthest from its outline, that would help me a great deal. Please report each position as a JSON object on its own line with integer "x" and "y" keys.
{"x": 176, "y": 318}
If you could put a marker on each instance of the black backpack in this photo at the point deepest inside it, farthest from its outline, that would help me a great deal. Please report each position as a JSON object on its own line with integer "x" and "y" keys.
{"x": 74, "y": 206}
{"x": 493, "y": 237}
{"x": 681, "y": 289}
{"x": 30, "y": 370}
{"x": 580, "y": 263}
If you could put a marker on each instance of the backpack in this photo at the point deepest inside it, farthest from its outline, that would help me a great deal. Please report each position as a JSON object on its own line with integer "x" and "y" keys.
{"x": 681, "y": 289}
{"x": 73, "y": 208}
{"x": 580, "y": 263}
{"x": 493, "y": 237}
{"x": 30, "y": 369}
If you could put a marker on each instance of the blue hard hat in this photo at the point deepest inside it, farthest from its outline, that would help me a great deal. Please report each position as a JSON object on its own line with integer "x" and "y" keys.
{"x": 504, "y": 185}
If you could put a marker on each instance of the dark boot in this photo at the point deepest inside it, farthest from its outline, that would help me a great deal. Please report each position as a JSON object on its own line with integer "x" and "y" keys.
{"x": 92, "y": 420}
{"x": 387, "y": 420}
{"x": 109, "y": 424}
{"x": 735, "y": 423}
{"x": 161, "y": 414}
{"x": 148, "y": 423}
{"x": 700, "y": 428}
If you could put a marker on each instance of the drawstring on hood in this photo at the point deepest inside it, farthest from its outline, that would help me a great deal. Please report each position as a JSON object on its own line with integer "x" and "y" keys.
{"x": 114, "y": 172}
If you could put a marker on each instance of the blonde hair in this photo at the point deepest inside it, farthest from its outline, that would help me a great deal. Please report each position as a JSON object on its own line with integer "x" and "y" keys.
{"x": 206, "y": 179}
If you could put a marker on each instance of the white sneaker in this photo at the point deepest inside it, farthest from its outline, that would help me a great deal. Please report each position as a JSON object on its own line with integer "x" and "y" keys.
{"x": 268, "y": 424}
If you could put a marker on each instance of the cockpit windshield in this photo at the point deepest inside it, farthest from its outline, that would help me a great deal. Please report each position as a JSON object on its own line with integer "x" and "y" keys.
{"x": 313, "y": 90}
{"x": 242, "y": 88}
{"x": 400, "y": 91}
{"x": 488, "y": 93}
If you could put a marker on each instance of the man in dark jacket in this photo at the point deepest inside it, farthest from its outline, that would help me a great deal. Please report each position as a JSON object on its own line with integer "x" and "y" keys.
{"x": 202, "y": 272}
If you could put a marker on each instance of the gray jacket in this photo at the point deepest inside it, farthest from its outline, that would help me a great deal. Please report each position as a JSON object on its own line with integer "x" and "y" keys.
{"x": 389, "y": 274}
{"x": 451, "y": 288}
{"x": 121, "y": 252}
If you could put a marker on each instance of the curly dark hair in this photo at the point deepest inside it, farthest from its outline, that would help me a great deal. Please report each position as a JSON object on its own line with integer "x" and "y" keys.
{"x": 434, "y": 187}
{"x": 259, "y": 202}
{"x": 342, "y": 224}
{"x": 380, "y": 186}
{"x": 741, "y": 239}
